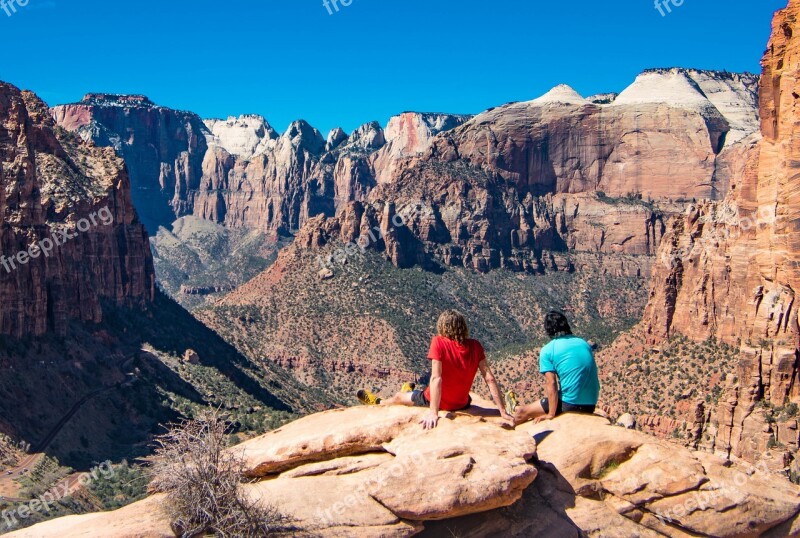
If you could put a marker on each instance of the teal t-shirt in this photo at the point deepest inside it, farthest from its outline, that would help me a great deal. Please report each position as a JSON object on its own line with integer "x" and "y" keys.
{"x": 571, "y": 358}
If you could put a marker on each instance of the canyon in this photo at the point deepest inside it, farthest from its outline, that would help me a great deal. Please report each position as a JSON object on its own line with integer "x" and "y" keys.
{"x": 662, "y": 219}
{"x": 467, "y": 210}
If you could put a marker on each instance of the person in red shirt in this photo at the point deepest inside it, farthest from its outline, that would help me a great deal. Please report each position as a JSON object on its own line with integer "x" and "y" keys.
{"x": 455, "y": 361}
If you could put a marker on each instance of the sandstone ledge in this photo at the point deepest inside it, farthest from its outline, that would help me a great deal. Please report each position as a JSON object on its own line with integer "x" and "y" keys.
{"x": 373, "y": 472}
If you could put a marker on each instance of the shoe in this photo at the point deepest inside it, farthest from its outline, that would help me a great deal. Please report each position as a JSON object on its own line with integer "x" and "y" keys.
{"x": 408, "y": 387}
{"x": 511, "y": 402}
{"x": 367, "y": 398}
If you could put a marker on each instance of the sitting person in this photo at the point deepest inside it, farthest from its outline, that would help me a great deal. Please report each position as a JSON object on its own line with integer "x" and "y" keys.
{"x": 567, "y": 361}
{"x": 455, "y": 360}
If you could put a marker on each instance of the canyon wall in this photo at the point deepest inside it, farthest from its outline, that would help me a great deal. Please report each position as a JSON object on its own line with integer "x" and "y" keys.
{"x": 163, "y": 149}
{"x": 54, "y": 184}
{"x": 729, "y": 270}
{"x": 526, "y": 185}
{"x": 518, "y": 186}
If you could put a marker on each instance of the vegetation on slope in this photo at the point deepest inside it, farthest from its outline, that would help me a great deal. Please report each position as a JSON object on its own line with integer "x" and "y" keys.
{"x": 371, "y": 323}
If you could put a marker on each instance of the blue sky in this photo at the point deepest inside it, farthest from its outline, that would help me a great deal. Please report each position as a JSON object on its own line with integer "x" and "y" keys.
{"x": 289, "y": 59}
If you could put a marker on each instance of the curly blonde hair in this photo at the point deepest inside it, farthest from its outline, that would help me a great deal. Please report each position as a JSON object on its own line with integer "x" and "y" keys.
{"x": 453, "y": 325}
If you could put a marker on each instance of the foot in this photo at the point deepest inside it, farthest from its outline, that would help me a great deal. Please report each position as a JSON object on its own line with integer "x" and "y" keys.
{"x": 511, "y": 402}
{"x": 408, "y": 387}
{"x": 367, "y": 398}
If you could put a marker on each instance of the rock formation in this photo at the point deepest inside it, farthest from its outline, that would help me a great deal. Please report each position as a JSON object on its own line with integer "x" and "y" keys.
{"x": 55, "y": 186}
{"x": 500, "y": 188}
{"x": 376, "y": 472}
{"x": 244, "y": 136}
{"x": 163, "y": 149}
{"x": 239, "y": 172}
{"x": 522, "y": 185}
{"x": 729, "y": 270}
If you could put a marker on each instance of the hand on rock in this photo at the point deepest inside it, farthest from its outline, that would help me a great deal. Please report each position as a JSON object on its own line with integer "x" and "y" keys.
{"x": 509, "y": 420}
{"x": 430, "y": 421}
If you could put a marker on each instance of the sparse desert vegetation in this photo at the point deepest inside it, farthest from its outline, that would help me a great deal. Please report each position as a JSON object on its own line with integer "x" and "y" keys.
{"x": 371, "y": 323}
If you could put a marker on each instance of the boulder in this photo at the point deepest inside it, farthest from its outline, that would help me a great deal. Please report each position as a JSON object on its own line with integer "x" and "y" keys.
{"x": 598, "y": 480}
{"x": 627, "y": 421}
{"x": 191, "y": 357}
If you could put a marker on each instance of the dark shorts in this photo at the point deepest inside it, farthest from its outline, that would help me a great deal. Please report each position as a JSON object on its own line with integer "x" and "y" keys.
{"x": 419, "y": 399}
{"x": 567, "y": 408}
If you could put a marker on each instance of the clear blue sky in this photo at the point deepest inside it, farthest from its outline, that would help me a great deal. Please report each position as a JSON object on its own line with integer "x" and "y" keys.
{"x": 289, "y": 59}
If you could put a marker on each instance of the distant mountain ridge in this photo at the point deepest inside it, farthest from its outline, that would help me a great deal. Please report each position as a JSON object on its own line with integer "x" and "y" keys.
{"x": 532, "y": 168}
{"x": 407, "y": 133}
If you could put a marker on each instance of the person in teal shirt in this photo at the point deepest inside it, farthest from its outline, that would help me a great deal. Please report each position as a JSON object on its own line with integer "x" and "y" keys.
{"x": 566, "y": 361}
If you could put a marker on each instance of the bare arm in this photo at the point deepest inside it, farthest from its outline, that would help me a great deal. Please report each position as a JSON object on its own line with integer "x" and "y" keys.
{"x": 432, "y": 419}
{"x": 551, "y": 391}
{"x": 491, "y": 382}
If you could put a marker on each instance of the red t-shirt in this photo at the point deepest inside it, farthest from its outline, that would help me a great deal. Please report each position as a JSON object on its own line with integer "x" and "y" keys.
{"x": 459, "y": 366}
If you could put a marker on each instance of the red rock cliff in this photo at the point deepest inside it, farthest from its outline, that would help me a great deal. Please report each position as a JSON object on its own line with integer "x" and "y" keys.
{"x": 554, "y": 175}
{"x": 729, "y": 270}
{"x": 53, "y": 181}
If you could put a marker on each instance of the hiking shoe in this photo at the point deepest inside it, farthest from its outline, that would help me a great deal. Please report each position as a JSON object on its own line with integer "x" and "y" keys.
{"x": 511, "y": 402}
{"x": 408, "y": 387}
{"x": 367, "y": 398}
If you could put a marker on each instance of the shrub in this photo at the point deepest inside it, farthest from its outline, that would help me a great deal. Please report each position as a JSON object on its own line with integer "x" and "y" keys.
{"x": 201, "y": 480}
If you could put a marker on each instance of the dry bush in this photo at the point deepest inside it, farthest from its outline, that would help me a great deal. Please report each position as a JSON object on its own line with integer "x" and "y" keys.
{"x": 201, "y": 480}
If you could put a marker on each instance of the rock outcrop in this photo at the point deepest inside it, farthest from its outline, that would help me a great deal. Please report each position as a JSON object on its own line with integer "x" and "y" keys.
{"x": 244, "y": 136}
{"x": 408, "y": 135}
{"x": 374, "y": 472}
{"x": 729, "y": 270}
{"x": 536, "y": 235}
{"x": 72, "y": 201}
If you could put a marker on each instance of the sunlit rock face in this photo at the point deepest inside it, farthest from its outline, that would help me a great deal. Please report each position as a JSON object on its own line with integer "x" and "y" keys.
{"x": 729, "y": 269}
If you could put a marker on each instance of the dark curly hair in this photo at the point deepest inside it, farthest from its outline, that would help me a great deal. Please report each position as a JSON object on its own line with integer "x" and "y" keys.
{"x": 556, "y": 324}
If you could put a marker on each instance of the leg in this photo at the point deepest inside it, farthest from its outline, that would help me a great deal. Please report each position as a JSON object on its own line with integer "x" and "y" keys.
{"x": 524, "y": 413}
{"x": 401, "y": 398}
{"x": 410, "y": 398}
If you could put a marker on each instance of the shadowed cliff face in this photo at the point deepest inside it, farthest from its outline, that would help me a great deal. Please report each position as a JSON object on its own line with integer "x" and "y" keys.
{"x": 163, "y": 149}
{"x": 73, "y": 202}
{"x": 729, "y": 271}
